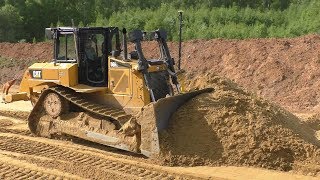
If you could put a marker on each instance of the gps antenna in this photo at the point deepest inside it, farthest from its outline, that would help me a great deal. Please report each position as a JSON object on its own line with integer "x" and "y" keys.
{"x": 180, "y": 38}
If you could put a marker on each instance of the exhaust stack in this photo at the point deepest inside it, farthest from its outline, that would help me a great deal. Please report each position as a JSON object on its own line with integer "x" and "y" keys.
{"x": 125, "y": 46}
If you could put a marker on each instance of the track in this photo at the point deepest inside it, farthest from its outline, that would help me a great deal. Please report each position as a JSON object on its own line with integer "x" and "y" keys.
{"x": 90, "y": 106}
{"x": 82, "y": 124}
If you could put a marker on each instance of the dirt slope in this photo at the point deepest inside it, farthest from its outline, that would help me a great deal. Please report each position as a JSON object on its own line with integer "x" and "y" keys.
{"x": 15, "y": 58}
{"x": 285, "y": 71}
{"x": 26, "y": 51}
{"x": 233, "y": 127}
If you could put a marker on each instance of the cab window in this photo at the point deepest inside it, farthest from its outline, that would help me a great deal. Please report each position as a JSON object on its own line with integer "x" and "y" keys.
{"x": 66, "y": 47}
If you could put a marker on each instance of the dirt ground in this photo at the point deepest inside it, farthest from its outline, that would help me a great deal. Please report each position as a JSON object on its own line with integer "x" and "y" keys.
{"x": 266, "y": 117}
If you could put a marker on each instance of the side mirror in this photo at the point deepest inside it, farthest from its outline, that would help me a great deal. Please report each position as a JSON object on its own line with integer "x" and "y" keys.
{"x": 49, "y": 33}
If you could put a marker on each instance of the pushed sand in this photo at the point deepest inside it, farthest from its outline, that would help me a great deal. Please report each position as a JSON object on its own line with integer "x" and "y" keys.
{"x": 233, "y": 127}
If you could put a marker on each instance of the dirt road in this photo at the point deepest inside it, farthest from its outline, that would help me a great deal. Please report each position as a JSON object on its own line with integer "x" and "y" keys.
{"x": 25, "y": 156}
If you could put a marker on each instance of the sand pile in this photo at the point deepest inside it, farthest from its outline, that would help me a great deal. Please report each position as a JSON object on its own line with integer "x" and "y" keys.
{"x": 233, "y": 127}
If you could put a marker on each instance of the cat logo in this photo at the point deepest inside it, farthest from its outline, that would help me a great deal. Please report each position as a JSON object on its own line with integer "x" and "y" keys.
{"x": 36, "y": 74}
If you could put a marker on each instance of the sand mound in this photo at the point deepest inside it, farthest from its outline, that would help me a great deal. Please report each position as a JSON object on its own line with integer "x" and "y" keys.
{"x": 233, "y": 127}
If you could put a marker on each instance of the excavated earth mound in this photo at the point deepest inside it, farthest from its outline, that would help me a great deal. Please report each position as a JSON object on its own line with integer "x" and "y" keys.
{"x": 233, "y": 127}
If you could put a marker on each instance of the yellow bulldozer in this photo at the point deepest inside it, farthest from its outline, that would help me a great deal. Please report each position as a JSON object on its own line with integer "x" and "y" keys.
{"x": 95, "y": 90}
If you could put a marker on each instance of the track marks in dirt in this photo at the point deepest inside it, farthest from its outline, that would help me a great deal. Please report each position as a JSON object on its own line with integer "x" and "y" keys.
{"x": 11, "y": 168}
{"x": 11, "y": 171}
{"x": 92, "y": 163}
{"x": 8, "y": 125}
{"x": 5, "y": 122}
{"x": 15, "y": 131}
{"x": 88, "y": 172}
{"x": 23, "y": 115}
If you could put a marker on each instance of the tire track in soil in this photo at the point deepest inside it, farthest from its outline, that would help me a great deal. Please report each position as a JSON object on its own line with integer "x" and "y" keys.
{"x": 15, "y": 131}
{"x": 7, "y": 126}
{"x": 5, "y": 122}
{"x": 14, "y": 172}
{"x": 87, "y": 172}
{"x": 92, "y": 163}
{"x": 15, "y": 114}
{"x": 11, "y": 168}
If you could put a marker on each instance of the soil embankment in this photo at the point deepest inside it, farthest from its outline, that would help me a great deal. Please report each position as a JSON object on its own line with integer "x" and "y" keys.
{"x": 16, "y": 57}
{"x": 230, "y": 126}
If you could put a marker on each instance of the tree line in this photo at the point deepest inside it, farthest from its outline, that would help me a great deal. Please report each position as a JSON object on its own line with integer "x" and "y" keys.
{"x": 25, "y": 20}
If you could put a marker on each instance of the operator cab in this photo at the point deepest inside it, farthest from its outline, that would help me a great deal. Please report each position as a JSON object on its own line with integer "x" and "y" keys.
{"x": 89, "y": 47}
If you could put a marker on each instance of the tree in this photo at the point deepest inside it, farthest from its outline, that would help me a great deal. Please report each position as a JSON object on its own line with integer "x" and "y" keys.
{"x": 10, "y": 24}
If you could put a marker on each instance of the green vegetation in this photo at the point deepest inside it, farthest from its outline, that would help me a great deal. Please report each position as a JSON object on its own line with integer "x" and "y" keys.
{"x": 26, "y": 19}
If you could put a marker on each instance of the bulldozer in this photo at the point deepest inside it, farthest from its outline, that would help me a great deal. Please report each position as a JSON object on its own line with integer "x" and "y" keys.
{"x": 96, "y": 90}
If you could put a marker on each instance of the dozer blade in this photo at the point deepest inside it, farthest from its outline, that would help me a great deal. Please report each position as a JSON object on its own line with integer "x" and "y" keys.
{"x": 11, "y": 97}
{"x": 155, "y": 117}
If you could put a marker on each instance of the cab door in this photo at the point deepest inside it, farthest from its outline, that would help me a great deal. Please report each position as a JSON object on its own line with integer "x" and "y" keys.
{"x": 93, "y": 61}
